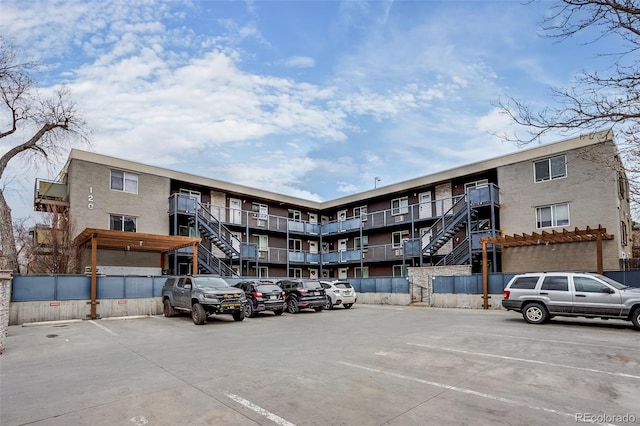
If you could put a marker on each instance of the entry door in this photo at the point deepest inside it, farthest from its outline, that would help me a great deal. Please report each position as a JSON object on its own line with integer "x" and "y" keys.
{"x": 313, "y": 218}
{"x": 313, "y": 274}
{"x": 426, "y": 210}
{"x": 342, "y": 245}
{"x": 313, "y": 247}
{"x": 235, "y": 242}
{"x": 342, "y": 273}
{"x": 235, "y": 213}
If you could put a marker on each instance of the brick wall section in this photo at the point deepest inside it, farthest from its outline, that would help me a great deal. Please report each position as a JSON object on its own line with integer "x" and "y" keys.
{"x": 421, "y": 279}
{"x": 5, "y": 298}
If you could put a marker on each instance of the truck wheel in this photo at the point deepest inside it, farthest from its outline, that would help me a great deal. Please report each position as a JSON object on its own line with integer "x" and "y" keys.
{"x": 198, "y": 314}
{"x": 239, "y": 315}
{"x": 168, "y": 309}
{"x": 635, "y": 318}
{"x": 292, "y": 306}
{"x": 535, "y": 313}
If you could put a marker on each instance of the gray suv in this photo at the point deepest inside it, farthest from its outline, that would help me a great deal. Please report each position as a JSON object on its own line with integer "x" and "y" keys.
{"x": 541, "y": 296}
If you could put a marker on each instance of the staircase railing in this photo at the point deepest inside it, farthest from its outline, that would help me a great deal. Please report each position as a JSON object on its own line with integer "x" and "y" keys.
{"x": 458, "y": 256}
{"x": 445, "y": 227}
{"x": 213, "y": 264}
{"x": 213, "y": 230}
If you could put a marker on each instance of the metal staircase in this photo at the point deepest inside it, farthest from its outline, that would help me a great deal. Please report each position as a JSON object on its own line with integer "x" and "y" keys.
{"x": 213, "y": 231}
{"x": 448, "y": 225}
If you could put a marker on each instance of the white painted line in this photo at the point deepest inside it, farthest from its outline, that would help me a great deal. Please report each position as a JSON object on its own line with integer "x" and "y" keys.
{"x": 532, "y": 361}
{"x": 269, "y": 415}
{"x": 102, "y": 327}
{"x": 564, "y": 342}
{"x": 462, "y": 390}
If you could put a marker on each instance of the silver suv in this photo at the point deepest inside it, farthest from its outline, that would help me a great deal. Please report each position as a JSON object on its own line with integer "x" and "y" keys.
{"x": 541, "y": 296}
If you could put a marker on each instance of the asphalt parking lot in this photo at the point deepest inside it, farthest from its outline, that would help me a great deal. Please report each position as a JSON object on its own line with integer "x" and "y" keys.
{"x": 370, "y": 365}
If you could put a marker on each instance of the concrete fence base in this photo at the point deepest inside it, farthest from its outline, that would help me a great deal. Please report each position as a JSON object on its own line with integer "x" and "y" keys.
{"x": 466, "y": 301}
{"x": 5, "y": 299}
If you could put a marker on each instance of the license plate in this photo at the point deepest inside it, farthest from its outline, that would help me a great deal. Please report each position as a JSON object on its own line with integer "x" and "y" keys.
{"x": 272, "y": 297}
{"x": 230, "y": 305}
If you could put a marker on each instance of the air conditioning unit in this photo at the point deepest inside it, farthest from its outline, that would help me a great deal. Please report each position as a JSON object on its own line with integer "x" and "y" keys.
{"x": 400, "y": 218}
{"x": 363, "y": 218}
{"x": 398, "y": 252}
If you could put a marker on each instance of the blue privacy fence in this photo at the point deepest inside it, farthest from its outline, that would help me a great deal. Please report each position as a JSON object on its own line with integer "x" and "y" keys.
{"x": 27, "y": 288}
{"x": 472, "y": 284}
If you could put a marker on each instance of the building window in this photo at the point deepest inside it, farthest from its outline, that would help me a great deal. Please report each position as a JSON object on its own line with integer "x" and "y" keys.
{"x": 399, "y": 206}
{"x": 623, "y": 188}
{"x": 295, "y": 215}
{"x": 295, "y": 245}
{"x": 623, "y": 233}
{"x": 550, "y": 216}
{"x": 263, "y": 271}
{"x": 476, "y": 184}
{"x": 361, "y": 242}
{"x": 261, "y": 211}
{"x": 362, "y": 272}
{"x": 398, "y": 271}
{"x": 123, "y": 181}
{"x": 122, "y": 223}
{"x": 295, "y": 272}
{"x": 550, "y": 168}
{"x": 360, "y": 211}
{"x": 398, "y": 237}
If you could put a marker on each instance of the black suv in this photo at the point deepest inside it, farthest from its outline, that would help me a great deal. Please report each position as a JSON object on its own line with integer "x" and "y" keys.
{"x": 303, "y": 294}
{"x": 262, "y": 296}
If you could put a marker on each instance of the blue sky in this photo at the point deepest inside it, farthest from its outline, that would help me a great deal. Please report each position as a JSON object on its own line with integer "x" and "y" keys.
{"x": 312, "y": 99}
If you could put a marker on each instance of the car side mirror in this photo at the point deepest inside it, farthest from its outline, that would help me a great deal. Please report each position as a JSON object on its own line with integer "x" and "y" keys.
{"x": 608, "y": 290}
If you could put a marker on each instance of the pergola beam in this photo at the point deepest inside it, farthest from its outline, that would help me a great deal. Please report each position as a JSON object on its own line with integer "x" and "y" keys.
{"x": 554, "y": 237}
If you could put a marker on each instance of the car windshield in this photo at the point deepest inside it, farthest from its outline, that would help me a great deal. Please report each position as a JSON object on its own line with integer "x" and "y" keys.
{"x": 343, "y": 285}
{"x": 210, "y": 282}
{"x": 612, "y": 283}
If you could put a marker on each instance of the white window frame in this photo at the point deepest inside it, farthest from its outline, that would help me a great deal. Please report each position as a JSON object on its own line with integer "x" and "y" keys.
{"x": 126, "y": 177}
{"x": 262, "y": 241}
{"x": 263, "y": 272}
{"x": 295, "y": 215}
{"x": 297, "y": 245}
{"x": 549, "y": 169}
{"x": 361, "y": 242}
{"x": 396, "y": 269}
{"x": 402, "y": 206}
{"x": 401, "y": 236}
{"x": 295, "y": 272}
{"x": 123, "y": 219}
{"x": 360, "y": 211}
{"x": 361, "y": 272}
{"x": 553, "y": 213}
{"x": 477, "y": 184}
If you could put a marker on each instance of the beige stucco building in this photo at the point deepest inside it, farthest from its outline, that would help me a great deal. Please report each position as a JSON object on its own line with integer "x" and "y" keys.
{"x": 437, "y": 219}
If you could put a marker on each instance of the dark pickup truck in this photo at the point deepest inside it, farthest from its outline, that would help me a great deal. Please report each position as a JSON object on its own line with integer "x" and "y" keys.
{"x": 202, "y": 295}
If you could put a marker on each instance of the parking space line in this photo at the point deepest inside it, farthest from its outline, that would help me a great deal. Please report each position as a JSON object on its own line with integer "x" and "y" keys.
{"x": 532, "y": 361}
{"x": 564, "y": 342}
{"x": 461, "y": 390}
{"x": 103, "y": 327}
{"x": 268, "y": 414}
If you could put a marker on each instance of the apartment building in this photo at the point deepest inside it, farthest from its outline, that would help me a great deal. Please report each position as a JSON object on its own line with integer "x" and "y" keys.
{"x": 439, "y": 219}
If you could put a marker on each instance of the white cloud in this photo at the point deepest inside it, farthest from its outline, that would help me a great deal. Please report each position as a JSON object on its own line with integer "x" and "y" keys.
{"x": 299, "y": 62}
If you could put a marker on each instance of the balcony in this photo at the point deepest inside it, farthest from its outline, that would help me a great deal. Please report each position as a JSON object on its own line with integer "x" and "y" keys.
{"x": 50, "y": 196}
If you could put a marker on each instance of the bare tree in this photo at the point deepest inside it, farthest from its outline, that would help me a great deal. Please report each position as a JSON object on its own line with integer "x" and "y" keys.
{"x": 596, "y": 100}
{"x": 47, "y": 248}
{"x": 50, "y": 123}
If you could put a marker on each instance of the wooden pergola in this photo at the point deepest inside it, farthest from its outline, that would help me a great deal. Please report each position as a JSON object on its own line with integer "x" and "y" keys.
{"x": 105, "y": 239}
{"x": 554, "y": 237}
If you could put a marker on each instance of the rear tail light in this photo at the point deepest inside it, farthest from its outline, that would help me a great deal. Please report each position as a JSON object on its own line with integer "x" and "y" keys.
{"x": 505, "y": 294}
{"x": 283, "y": 294}
{"x": 336, "y": 291}
{"x": 257, "y": 294}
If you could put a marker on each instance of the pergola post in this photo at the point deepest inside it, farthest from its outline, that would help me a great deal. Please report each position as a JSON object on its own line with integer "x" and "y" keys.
{"x": 599, "y": 253}
{"x": 485, "y": 277}
{"x": 194, "y": 269}
{"x": 94, "y": 278}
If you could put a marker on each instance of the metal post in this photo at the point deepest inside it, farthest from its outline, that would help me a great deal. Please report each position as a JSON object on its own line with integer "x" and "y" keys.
{"x": 485, "y": 277}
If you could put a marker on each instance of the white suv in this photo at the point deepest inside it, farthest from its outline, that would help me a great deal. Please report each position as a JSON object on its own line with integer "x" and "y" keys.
{"x": 540, "y": 296}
